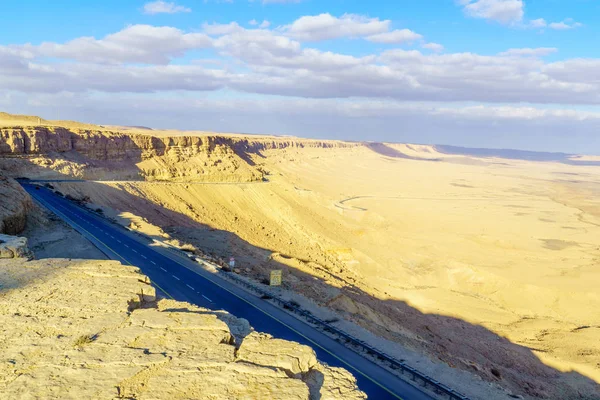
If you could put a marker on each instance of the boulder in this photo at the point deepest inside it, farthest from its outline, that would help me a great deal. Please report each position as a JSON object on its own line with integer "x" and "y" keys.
{"x": 14, "y": 247}
{"x": 331, "y": 383}
{"x": 262, "y": 349}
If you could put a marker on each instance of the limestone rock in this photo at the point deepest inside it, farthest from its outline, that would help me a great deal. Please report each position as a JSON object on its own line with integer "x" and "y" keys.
{"x": 92, "y": 329}
{"x": 293, "y": 358}
{"x": 103, "y": 154}
{"x": 14, "y": 247}
{"x": 330, "y": 383}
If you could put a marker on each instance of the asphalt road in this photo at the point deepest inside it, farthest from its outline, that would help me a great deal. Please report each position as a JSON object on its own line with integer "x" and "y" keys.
{"x": 179, "y": 278}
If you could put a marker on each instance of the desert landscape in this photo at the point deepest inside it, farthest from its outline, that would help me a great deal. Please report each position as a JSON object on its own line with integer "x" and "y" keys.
{"x": 482, "y": 263}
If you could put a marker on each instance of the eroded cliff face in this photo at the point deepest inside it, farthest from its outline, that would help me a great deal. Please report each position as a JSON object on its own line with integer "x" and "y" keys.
{"x": 14, "y": 204}
{"x": 61, "y": 153}
{"x": 93, "y": 329}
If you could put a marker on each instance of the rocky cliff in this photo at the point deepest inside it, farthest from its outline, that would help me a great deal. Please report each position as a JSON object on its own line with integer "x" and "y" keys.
{"x": 57, "y": 152}
{"x": 108, "y": 145}
{"x": 93, "y": 329}
{"x": 14, "y": 204}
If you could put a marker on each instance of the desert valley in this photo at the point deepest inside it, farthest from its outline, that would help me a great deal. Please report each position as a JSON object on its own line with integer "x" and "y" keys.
{"x": 480, "y": 268}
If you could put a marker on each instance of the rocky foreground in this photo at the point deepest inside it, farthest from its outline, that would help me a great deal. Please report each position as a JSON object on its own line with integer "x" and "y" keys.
{"x": 93, "y": 329}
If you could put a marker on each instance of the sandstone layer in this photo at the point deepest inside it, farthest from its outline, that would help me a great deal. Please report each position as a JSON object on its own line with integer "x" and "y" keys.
{"x": 57, "y": 152}
{"x": 93, "y": 329}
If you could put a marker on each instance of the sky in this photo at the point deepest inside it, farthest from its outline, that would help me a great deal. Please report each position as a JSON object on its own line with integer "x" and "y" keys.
{"x": 521, "y": 74}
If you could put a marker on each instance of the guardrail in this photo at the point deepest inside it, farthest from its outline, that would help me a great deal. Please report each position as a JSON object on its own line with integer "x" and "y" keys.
{"x": 418, "y": 378}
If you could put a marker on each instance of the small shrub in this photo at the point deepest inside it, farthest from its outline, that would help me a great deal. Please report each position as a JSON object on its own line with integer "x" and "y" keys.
{"x": 83, "y": 340}
{"x": 188, "y": 247}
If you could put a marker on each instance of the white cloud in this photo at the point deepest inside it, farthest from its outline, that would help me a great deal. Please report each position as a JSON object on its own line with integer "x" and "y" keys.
{"x": 564, "y": 25}
{"x": 537, "y": 52}
{"x": 538, "y": 23}
{"x": 163, "y": 7}
{"x": 264, "y": 48}
{"x": 580, "y": 70}
{"x": 502, "y": 11}
{"x": 511, "y": 12}
{"x": 396, "y": 36}
{"x": 335, "y": 90}
{"x": 325, "y": 26}
{"x": 136, "y": 43}
{"x": 272, "y": 63}
{"x": 435, "y": 47}
{"x": 262, "y": 25}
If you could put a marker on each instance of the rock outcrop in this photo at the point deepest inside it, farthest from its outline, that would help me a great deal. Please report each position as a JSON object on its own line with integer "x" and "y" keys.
{"x": 57, "y": 152}
{"x": 14, "y": 204}
{"x": 14, "y": 247}
{"x": 107, "y": 145}
{"x": 93, "y": 329}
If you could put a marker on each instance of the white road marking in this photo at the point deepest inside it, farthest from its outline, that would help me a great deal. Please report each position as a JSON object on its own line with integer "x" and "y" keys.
{"x": 175, "y": 277}
{"x": 153, "y": 262}
{"x": 135, "y": 251}
{"x": 119, "y": 241}
{"x": 126, "y": 246}
{"x": 144, "y": 256}
{"x": 163, "y": 269}
{"x": 207, "y": 298}
{"x": 189, "y": 287}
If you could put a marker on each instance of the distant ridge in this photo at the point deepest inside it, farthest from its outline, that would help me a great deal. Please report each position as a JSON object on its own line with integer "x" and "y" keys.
{"x": 388, "y": 149}
{"x": 525, "y": 155}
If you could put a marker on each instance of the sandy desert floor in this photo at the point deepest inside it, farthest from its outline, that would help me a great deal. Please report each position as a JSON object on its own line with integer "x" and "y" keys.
{"x": 421, "y": 252}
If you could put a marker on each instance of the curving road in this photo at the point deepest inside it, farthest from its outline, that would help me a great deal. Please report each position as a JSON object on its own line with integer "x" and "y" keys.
{"x": 179, "y": 278}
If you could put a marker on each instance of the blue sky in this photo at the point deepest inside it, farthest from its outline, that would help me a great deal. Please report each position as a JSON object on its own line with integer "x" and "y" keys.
{"x": 482, "y": 73}
{"x": 441, "y": 20}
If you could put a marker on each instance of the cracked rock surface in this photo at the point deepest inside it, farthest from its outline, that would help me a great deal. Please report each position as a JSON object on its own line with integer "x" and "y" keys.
{"x": 93, "y": 329}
